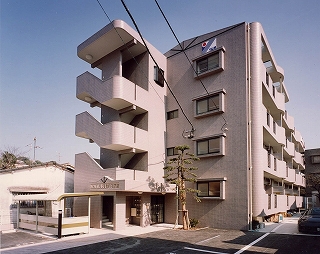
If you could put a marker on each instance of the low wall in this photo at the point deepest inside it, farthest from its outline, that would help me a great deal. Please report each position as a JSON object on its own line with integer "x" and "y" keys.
{"x": 70, "y": 225}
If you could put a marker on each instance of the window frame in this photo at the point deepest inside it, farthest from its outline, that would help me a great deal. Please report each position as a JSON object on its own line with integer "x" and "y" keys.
{"x": 218, "y": 51}
{"x": 221, "y": 152}
{"x": 221, "y": 93}
{"x": 172, "y": 114}
{"x": 174, "y": 151}
{"x": 315, "y": 159}
{"x": 222, "y": 188}
{"x": 158, "y": 78}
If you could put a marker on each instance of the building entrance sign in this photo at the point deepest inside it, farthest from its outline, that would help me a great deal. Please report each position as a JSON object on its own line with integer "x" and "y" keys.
{"x": 105, "y": 186}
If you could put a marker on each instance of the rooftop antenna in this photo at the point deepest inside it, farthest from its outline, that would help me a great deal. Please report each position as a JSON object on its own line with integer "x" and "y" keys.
{"x": 34, "y": 148}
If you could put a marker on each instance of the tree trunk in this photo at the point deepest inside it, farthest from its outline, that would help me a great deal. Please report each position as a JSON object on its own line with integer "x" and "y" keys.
{"x": 185, "y": 217}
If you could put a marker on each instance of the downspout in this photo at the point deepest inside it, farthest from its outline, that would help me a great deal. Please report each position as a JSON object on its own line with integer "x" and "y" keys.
{"x": 249, "y": 127}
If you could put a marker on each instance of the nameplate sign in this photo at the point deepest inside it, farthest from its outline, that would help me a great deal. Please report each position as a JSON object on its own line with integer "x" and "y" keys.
{"x": 105, "y": 186}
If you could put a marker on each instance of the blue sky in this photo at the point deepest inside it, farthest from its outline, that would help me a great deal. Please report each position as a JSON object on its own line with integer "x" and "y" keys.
{"x": 39, "y": 64}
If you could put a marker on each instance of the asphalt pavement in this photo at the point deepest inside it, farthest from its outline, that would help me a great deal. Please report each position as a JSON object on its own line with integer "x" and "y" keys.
{"x": 23, "y": 241}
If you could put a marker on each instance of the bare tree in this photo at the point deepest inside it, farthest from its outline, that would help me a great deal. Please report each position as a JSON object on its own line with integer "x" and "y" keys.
{"x": 178, "y": 173}
{"x": 313, "y": 182}
{"x": 9, "y": 157}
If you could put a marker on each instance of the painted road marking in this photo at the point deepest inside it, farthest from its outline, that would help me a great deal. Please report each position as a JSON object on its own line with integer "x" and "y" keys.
{"x": 206, "y": 251}
{"x": 207, "y": 239}
{"x": 251, "y": 244}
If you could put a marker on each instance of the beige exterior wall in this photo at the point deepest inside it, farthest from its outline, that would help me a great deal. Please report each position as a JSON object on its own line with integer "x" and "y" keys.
{"x": 131, "y": 130}
{"x": 233, "y": 165}
{"x": 247, "y": 100}
{"x": 259, "y": 165}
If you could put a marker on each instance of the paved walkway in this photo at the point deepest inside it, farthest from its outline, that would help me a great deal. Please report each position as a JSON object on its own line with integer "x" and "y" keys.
{"x": 289, "y": 225}
{"x": 23, "y": 241}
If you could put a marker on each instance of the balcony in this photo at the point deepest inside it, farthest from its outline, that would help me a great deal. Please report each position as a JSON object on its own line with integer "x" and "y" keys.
{"x": 117, "y": 92}
{"x": 288, "y": 121}
{"x": 298, "y": 158}
{"x": 290, "y": 175}
{"x": 273, "y": 99}
{"x": 273, "y": 167}
{"x": 273, "y": 134}
{"x": 289, "y": 148}
{"x": 275, "y": 203}
{"x": 116, "y": 136}
{"x": 300, "y": 180}
{"x": 115, "y": 173}
{"x": 299, "y": 140}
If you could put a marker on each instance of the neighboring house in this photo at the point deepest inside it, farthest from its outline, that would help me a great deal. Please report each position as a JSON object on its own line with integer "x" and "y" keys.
{"x": 312, "y": 159}
{"x": 27, "y": 180}
{"x": 233, "y": 98}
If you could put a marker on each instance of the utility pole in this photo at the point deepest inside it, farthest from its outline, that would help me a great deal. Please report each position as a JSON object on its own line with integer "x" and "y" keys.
{"x": 34, "y": 148}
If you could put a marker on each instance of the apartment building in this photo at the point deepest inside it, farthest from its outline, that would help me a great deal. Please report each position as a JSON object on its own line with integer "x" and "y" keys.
{"x": 312, "y": 160}
{"x": 232, "y": 115}
{"x": 131, "y": 97}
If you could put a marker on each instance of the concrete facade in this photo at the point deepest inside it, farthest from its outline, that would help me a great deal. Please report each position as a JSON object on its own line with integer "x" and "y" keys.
{"x": 234, "y": 119}
{"x": 130, "y": 133}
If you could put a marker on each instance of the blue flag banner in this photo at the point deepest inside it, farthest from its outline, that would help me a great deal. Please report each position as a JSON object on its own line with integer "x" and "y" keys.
{"x": 209, "y": 45}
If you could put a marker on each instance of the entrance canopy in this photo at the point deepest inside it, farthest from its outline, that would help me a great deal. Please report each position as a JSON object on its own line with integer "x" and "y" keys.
{"x": 55, "y": 196}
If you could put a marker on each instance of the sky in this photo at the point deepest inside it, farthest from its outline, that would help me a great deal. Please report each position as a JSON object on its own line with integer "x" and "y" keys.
{"x": 39, "y": 63}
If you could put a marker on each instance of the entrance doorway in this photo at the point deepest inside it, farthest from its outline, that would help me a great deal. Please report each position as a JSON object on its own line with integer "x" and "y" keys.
{"x": 107, "y": 211}
{"x": 157, "y": 209}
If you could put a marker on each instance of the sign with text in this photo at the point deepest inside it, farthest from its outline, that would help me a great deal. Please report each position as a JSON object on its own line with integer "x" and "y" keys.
{"x": 105, "y": 186}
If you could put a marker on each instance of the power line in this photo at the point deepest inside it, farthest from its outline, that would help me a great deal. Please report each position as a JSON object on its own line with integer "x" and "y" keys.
{"x": 128, "y": 49}
{"x": 175, "y": 36}
{"x": 155, "y": 62}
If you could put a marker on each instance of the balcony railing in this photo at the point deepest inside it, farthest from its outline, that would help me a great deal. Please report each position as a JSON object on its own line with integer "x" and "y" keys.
{"x": 289, "y": 147}
{"x": 300, "y": 180}
{"x": 290, "y": 175}
{"x": 115, "y": 135}
{"x": 275, "y": 131}
{"x": 289, "y": 121}
{"x": 116, "y": 92}
{"x": 274, "y": 166}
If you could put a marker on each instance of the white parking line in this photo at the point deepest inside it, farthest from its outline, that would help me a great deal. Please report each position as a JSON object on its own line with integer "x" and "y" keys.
{"x": 251, "y": 244}
{"x": 206, "y": 251}
{"x": 207, "y": 239}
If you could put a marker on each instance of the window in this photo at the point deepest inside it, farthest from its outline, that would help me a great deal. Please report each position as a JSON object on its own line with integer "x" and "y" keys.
{"x": 212, "y": 188}
{"x": 268, "y": 119}
{"x": 172, "y": 114}
{"x": 209, "y": 63}
{"x": 172, "y": 151}
{"x": 269, "y": 201}
{"x": 159, "y": 76}
{"x": 267, "y": 78}
{"x": 208, "y": 146}
{"x": 211, "y": 146}
{"x": 275, "y": 201}
{"x": 209, "y": 104}
{"x": 315, "y": 159}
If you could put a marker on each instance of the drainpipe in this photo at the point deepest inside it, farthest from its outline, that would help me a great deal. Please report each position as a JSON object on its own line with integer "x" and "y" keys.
{"x": 249, "y": 127}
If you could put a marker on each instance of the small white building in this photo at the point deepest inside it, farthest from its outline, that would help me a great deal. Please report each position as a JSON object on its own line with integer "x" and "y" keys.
{"x": 36, "y": 179}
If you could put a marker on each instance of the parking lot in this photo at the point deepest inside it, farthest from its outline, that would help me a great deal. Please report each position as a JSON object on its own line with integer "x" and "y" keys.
{"x": 273, "y": 238}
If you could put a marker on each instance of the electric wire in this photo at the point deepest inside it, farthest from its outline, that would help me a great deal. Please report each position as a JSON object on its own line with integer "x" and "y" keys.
{"x": 195, "y": 71}
{"x": 128, "y": 49}
{"x": 155, "y": 62}
{"x": 162, "y": 161}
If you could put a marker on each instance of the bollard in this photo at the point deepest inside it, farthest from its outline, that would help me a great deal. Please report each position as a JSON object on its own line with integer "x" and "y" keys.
{"x": 59, "y": 223}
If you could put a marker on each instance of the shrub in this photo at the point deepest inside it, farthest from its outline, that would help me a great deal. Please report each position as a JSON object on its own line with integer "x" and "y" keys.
{"x": 193, "y": 223}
